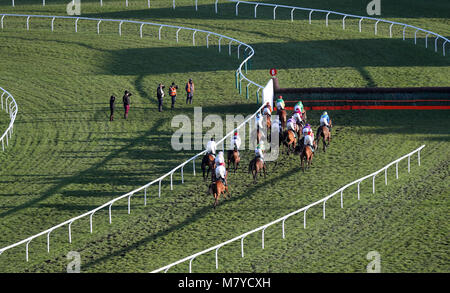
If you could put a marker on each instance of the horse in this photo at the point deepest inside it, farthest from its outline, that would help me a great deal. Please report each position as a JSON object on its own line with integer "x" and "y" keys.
{"x": 307, "y": 155}
{"x": 289, "y": 140}
{"x": 269, "y": 125}
{"x": 208, "y": 161}
{"x": 324, "y": 132}
{"x": 216, "y": 189}
{"x": 282, "y": 114}
{"x": 255, "y": 166}
{"x": 233, "y": 157}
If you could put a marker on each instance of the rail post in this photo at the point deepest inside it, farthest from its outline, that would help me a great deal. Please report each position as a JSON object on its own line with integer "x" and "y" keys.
{"x": 159, "y": 32}
{"x": 28, "y": 23}
{"x": 256, "y": 6}
{"x": 390, "y": 29}
{"x": 376, "y": 27}
{"x": 342, "y": 199}
{"x": 275, "y": 8}
{"x": 140, "y": 30}
{"x": 98, "y": 27}
{"x": 292, "y": 14}
{"x": 326, "y": 18}
{"x": 360, "y": 26}
{"x": 53, "y": 22}
{"x": 343, "y": 22}
{"x": 310, "y": 16}
{"x": 177, "y": 33}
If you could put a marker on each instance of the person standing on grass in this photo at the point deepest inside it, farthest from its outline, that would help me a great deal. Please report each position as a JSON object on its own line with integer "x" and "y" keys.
{"x": 160, "y": 96}
{"x": 189, "y": 91}
{"x": 173, "y": 93}
{"x": 126, "y": 103}
{"x": 111, "y": 107}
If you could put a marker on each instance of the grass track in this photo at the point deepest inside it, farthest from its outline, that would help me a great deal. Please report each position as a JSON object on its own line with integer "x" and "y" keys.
{"x": 66, "y": 158}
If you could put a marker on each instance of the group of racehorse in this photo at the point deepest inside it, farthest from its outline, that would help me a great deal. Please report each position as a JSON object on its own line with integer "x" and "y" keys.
{"x": 291, "y": 139}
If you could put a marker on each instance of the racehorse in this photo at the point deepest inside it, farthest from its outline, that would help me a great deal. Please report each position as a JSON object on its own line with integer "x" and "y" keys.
{"x": 289, "y": 140}
{"x": 233, "y": 157}
{"x": 282, "y": 114}
{"x": 269, "y": 126}
{"x": 324, "y": 132}
{"x": 307, "y": 155}
{"x": 208, "y": 161}
{"x": 257, "y": 165}
{"x": 216, "y": 189}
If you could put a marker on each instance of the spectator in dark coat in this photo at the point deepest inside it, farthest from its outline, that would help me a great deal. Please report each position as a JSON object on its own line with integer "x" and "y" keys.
{"x": 126, "y": 103}
{"x": 160, "y": 96}
{"x": 111, "y": 107}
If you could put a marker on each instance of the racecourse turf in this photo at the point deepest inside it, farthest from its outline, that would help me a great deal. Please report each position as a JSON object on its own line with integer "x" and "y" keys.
{"x": 66, "y": 158}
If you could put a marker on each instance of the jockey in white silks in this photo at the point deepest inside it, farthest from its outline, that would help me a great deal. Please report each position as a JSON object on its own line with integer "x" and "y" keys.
{"x": 258, "y": 121}
{"x": 267, "y": 110}
{"x": 236, "y": 141}
{"x": 298, "y": 117}
{"x": 259, "y": 152}
{"x": 291, "y": 125}
{"x": 219, "y": 158}
{"x": 306, "y": 129}
{"x": 309, "y": 140}
{"x": 211, "y": 147}
{"x": 299, "y": 106}
{"x": 280, "y": 103}
{"x": 221, "y": 172}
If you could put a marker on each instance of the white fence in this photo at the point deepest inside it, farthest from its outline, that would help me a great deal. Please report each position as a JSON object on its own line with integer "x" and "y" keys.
{"x": 10, "y": 106}
{"x": 304, "y": 210}
{"x": 158, "y": 181}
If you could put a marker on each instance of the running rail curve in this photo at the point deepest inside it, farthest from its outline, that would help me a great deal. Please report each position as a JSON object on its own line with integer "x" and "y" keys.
{"x": 239, "y": 75}
{"x": 170, "y": 173}
{"x": 304, "y": 210}
{"x": 11, "y": 108}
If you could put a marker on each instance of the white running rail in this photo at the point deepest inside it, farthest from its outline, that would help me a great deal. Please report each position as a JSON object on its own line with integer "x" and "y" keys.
{"x": 304, "y": 210}
{"x": 158, "y": 181}
{"x": 10, "y": 106}
{"x": 327, "y": 13}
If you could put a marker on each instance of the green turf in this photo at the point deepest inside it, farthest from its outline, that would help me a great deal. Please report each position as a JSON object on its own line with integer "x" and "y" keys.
{"x": 66, "y": 157}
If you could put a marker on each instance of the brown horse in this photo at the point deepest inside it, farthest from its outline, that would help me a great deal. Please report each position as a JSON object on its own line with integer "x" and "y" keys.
{"x": 307, "y": 155}
{"x": 216, "y": 189}
{"x": 208, "y": 161}
{"x": 324, "y": 132}
{"x": 282, "y": 114}
{"x": 269, "y": 126}
{"x": 290, "y": 140}
{"x": 233, "y": 157}
{"x": 256, "y": 166}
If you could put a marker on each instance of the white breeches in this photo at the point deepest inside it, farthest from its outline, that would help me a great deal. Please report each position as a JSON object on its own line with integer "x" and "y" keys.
{"x": 221, "y": 172}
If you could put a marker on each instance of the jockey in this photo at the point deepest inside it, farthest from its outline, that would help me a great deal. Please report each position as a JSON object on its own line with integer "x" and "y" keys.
{"x": 259, "y": 152}
{"x": 291, "y": 125}
{"x": 211, "y": 147}
{"x": 258, "y": 121}
{"x": 221, "y": 173}
{"x": 299, "y": 106}
{"x": 220, "y": 159}
{"x": 236, "y": 141}
{"x": 267, "y": 110}
{"x": 309, "y": 140}
{"x": 325, "y": 120}
{"x": 280, "y": 103}
{"x": 306, "y": 129}
{"x": 298, "y": 117}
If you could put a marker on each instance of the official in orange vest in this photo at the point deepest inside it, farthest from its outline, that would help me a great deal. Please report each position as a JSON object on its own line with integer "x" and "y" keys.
{"x": 173, "y": 93}
{"x": 189, "y": 91}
